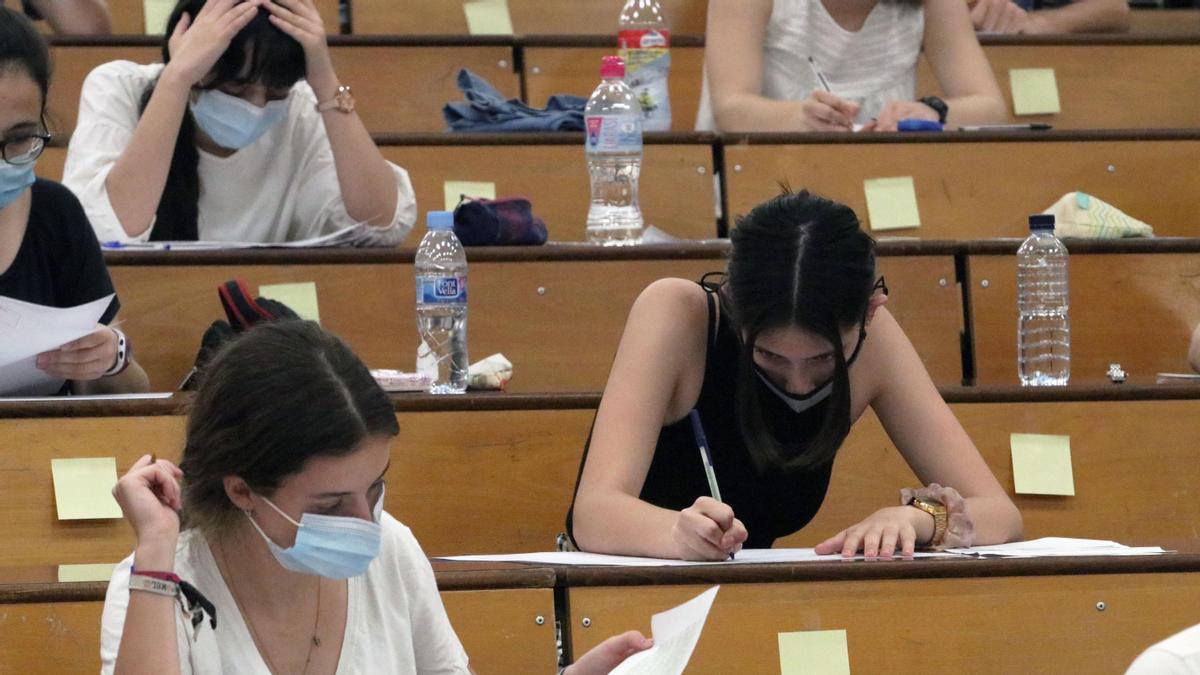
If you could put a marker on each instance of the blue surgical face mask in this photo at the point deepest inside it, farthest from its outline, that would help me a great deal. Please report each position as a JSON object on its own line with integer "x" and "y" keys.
{"x": 232, "y": 122}
{"x": 14, "y": 178}
{"x": 334, "y": 547}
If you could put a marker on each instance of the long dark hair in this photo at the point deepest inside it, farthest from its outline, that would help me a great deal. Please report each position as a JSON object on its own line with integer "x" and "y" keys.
{"x": 23, "y": 48}
{"x": 797, "y": 260}
{"x": 278, "y": 395}
{"x": 260, "y": 52}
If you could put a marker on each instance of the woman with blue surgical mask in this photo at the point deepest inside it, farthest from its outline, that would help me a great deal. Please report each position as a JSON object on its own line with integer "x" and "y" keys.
{"x": 243, "y": 133}
{"x": 48, "y": 253}
{"x": 274, "y": 516}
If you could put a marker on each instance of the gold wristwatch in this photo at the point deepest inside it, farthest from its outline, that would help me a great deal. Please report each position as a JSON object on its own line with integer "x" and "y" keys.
{"x": 938, "y": 510}
{"x": 342, "y": 101}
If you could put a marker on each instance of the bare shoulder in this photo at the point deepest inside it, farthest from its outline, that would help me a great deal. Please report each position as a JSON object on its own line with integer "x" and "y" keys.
{"x": 677, "y": 300}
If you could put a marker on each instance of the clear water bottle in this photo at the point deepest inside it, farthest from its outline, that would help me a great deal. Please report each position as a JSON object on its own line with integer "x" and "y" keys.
{"x": 1043, "y": 325}
{"x": 644, "y": 41}
{"x": 613, "y": 119}
{"x": 441, "y": 271}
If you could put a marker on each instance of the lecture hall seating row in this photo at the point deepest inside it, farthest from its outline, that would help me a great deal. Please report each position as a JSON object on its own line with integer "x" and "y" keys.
{"x": 402, "y": 82}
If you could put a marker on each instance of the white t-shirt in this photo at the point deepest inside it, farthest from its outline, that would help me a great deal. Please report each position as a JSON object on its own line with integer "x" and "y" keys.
{"x": 873, "y": 65}
{"x": 1177, "y": 655}
{"x": 282, "y": 187}
{"x": 395, "y": 621}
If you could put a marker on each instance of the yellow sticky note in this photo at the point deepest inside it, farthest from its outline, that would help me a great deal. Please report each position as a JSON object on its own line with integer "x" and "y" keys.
{"x": 1042, "y": 464}
{"x": 488, "y": 17}
{"x": 452, "y": 190}
{"x": 157, "y": 12}
{"x": 1034, "y": 91}
{"x": 891, "y": 203}
{"x": 83, "y": 488}
{"x": 814, "y": 652}
{"x": 90, "y": 572}
{"x": 301, "y": 297}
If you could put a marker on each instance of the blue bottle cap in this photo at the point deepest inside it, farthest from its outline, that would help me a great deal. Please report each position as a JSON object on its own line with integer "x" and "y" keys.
{"x": 440, "y": 220}
{"x": 1041, "y": 221}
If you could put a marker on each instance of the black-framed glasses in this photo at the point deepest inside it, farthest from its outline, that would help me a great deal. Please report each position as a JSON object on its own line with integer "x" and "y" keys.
{"x": 24, "y": 149}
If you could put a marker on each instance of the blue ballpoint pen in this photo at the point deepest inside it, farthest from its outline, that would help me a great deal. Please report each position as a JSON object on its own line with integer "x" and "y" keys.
{"x": 705, "y": 456}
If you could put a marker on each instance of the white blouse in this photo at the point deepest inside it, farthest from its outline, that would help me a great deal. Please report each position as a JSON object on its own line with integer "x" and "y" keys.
{"x": 283, "y": 187}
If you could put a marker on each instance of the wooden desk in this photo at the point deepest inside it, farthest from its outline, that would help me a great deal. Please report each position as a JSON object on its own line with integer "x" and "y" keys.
{"x": 519, "y": 456}
{"x": 978, "y": 186}
{"x": 1121, "y": 295}
{"x": 50, "y": 626}
{"x": 1162, "y": 22}
{"x": 1086, "y": 615}
{"x": 529, "y": 17}
{"x": 536, "y": 305}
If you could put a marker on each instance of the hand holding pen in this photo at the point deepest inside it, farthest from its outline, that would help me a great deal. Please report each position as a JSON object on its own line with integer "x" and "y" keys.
{"x": 707, "y": 530}
{"x": 824, "y": 110}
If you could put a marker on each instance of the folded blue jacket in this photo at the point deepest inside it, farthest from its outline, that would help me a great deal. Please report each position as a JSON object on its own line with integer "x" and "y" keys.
{"x": 487, "y": 110}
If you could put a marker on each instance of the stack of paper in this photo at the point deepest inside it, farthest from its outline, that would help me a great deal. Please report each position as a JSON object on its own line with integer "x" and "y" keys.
{"x": 355, "y": 236}
{"x": 749, "y": 556}
{"x": 1059, "y": 547}
{"x": 27, "y": 330}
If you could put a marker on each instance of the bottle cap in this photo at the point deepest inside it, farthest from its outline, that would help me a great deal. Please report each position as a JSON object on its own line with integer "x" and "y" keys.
{"x": 1041, "y": 221}
{"x": 440, "y": 220}
{"x": 612, "y": 67}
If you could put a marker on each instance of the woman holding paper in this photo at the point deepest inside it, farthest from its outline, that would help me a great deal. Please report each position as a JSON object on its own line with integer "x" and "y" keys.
{"x": 274, "y": 518}
{"x": 829, "y": 65}
{"x": 48, "y": 253}
{"x": 244, "y": 133}
{"x": 777, "y": 361}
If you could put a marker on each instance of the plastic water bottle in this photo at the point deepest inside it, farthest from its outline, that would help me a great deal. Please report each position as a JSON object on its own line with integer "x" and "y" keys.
{"x": 441, "y": 271}
{"x": 613, "y": 119}
{"x": 1043, "y": 325}
{"x": 644, "y": 41}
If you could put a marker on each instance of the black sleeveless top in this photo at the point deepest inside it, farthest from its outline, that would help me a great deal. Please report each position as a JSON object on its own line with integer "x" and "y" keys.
{"x": 772, "y": 503}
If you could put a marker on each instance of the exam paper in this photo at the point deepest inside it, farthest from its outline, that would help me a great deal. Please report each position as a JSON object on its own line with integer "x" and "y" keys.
{"x": 354, "y": 236}
{"x": 746, "y": 556}
{"x": 676, "y": 632}
{"x": 27, "y": 329}
{"x": 1059, "y": 547}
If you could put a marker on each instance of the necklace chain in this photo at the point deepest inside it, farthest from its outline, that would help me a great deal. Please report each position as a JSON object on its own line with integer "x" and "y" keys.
{"x": 315, "y": 642}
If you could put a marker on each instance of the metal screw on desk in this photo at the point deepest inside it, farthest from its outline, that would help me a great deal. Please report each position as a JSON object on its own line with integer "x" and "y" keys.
{"x": 701, "y": 170}
{"x": 587, "y": 623}
{"x": 503, "y": 64}
{"x": 1116, "y": 374}
{"x": 541, "y": 290}
{"x": 985, "y": 283}
{"x": 540, "y": 620}
{"x": 1112, "y": 168}
{"x": 1100, "y": 606}
{"x": 942, "y": 282}
{"x": 737, "y": 168}
{"x": 535, "y": 70}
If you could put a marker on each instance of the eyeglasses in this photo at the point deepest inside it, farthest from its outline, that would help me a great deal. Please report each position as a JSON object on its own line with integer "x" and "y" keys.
{"x": 24, "y": 149}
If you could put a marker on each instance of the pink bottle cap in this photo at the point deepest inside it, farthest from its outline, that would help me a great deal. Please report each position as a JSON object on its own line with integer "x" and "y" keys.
{"x": 612, "y": 67}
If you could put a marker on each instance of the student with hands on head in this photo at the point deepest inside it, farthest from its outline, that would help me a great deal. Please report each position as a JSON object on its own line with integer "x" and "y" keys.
{"x": 245, "y": 133}
{"x": 779, "y": 359}
{"x": 758, "y": 77}
{"x": 275, "y": 514}
{"x": 48, "y": 253}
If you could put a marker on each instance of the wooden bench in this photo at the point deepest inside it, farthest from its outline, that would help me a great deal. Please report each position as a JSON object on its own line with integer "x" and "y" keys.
{"x": 51, "y": 626}
{"x": 1087, "y": 615}
{"x": 517, "y": 456}
{"x": 976, "y": 187}
{"x": 529, "y": 17}
{"x": 1130, "y": 304}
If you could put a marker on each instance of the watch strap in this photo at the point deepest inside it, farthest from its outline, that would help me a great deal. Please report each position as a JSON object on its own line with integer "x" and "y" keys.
{"x": 938, "y": 105}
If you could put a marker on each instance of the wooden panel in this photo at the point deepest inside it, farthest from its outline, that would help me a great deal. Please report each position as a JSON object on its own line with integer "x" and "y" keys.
{"x": 129, "y": 17}
{"x": 675, "y": 190}
{"x": 1166, "y": 22}
{"x": 1119, "y": 450}
{"x": 498, "y": 628}
{"x": 564, "y": 70}
{"x": 529, "y": 17}
{"x": 1096, "y": 83}
{"x": 403, "y": 89}
{"x": 537, "y": 313}
{"x": 927, "y": 626}
{"x": 71, "y": 66}
{"x": 982, "y": 190}
{"x": 1115, "y": 299}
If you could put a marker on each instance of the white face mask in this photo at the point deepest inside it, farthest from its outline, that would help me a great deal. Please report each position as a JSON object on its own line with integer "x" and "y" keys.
{"x": 334, "y": 547}
{"x": 232, "y": 122}
{"x": 798, "y": 403}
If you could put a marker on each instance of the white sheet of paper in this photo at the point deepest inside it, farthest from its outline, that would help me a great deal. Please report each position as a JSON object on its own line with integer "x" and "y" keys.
{"x": 745, "y": 556}
{"x": 1059, "y": 547}
{"x": 28, "y": 329}
{"x": 150, "y": 396}
{"x": 353, "y": 236}
{"x": 676, "y": 632}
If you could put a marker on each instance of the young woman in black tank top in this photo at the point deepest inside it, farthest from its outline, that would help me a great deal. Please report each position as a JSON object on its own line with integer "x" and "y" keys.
{"x": 764, "y": 356}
